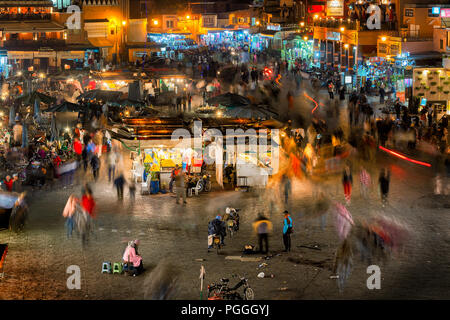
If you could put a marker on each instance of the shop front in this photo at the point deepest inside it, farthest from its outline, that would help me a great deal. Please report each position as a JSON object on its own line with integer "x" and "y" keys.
{"x": 297, "y": 47}
{"x": 233, "y": 38}
{"x": 262, "y": 41}
{"x": 336, "y": 48}
{"x": 432, "y": 86}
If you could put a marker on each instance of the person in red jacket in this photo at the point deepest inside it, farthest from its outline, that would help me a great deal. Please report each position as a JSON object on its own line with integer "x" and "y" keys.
{"x": 8, "y": 182}
{"x": 77, "y": 146}
{"x": 88, "y": 202}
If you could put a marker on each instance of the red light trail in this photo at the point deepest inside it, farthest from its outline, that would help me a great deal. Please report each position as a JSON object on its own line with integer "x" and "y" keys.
{"x": 315, "y": 102}
{"x": 404, "y": 157}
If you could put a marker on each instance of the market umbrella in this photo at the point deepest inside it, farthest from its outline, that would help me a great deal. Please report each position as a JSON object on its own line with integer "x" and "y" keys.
{"x": 66, "y": 107}
{"x": 24, "y": 136}
{"x": 37, "y": 111}
{"x": 229, "y": 100}
{"x": 12, "y": 116}
{"x": 250, "y": 112}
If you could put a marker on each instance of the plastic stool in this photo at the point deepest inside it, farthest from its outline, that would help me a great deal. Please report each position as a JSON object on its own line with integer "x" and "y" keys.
{"x": 106, "y": 267}
{"x": 117, "y": 268}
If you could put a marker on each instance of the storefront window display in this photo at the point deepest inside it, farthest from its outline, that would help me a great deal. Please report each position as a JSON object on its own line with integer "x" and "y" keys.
{"x": 260, "y": 42}
{"x": 159, "y": 163}
{"x": 234, "y": 38}
{"x": 297, "y": 49}
{"x": 172, "y": 85}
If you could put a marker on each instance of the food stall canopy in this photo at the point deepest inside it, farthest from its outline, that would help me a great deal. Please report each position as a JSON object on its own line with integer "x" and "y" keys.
{"x": 229, "y": 100}
{"x": 250, "y": 112}
{"x": 105, "y": 95}
{"x": 101, "y": 42}
{"x": 127, "y": 102}
{"x": 65, "y": 107}
{"x": 35, "y": 95}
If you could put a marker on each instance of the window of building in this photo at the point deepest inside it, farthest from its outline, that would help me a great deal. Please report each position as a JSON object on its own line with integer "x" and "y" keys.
{"x": 409, "y": 12}
{"x": 431, "y": 13}
{"x": 441, "y": 44}
{"x": 448, "y": 39}
{"x": 169, "y": 24}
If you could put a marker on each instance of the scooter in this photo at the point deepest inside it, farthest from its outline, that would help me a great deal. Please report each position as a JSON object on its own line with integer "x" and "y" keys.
{"x": 216, "y": 243}
{"x": 205, "y": 182}
{"x": 221, "y": 291}
{"x": 232, "y": 221}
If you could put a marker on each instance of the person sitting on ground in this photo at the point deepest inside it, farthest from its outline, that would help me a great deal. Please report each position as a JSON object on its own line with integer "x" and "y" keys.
{"x": 131, "y": 256}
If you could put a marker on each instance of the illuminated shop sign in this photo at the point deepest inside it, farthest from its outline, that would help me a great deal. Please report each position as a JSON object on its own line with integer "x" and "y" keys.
{"x": 335, "y": 8}
{"x": 335, "y": 36}
{"x": 445, "y": 13}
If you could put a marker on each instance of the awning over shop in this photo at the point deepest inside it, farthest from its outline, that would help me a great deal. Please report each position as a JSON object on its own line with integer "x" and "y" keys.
{"x": 269, "y": 33}
{"x": 425, "y": 55}
{"x": 101, "y": 42}
{"x": 26, "y": 3}
{"x": 30, "y": 26}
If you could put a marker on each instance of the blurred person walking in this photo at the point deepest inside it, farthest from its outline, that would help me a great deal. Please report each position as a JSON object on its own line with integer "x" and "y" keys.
{"x": 365, "y": 182}
{"x": 88, "y": 206}
{"x": 95, "y": 165}
{"x": 180, "y": 185}
{"x": 287, "y": 230}
{"x": 263, "y": 226}
{"x": 384, "y": 181}
{"x": 347, "y": 181}
{"x": 119, "y": 182}
{"x": 286, "y": 184}
{"x": 112, "y": 161}
{"x": 69, "y": 211}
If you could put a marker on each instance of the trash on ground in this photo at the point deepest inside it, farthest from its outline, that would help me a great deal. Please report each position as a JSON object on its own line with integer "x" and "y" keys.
{"x": 262, "y": 265}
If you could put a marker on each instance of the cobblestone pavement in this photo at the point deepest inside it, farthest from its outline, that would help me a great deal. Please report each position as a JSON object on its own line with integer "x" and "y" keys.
{"x": 38, "y": 257}
{"x": 37, "y": 260}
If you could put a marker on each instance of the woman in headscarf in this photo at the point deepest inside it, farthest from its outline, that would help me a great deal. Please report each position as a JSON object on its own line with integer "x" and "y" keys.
{"x": 131, "y": 256}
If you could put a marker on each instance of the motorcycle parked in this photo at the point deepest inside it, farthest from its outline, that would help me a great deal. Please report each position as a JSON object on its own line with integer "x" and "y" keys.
{"x": 221, "y": 291}
{"x": 205, "y": 182}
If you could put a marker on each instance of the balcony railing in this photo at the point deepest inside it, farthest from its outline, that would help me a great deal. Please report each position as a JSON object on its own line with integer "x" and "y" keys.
{"x": 25, "y": 16}
{"x": 352, "y": 25}
{"x": 51, "y": 43}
